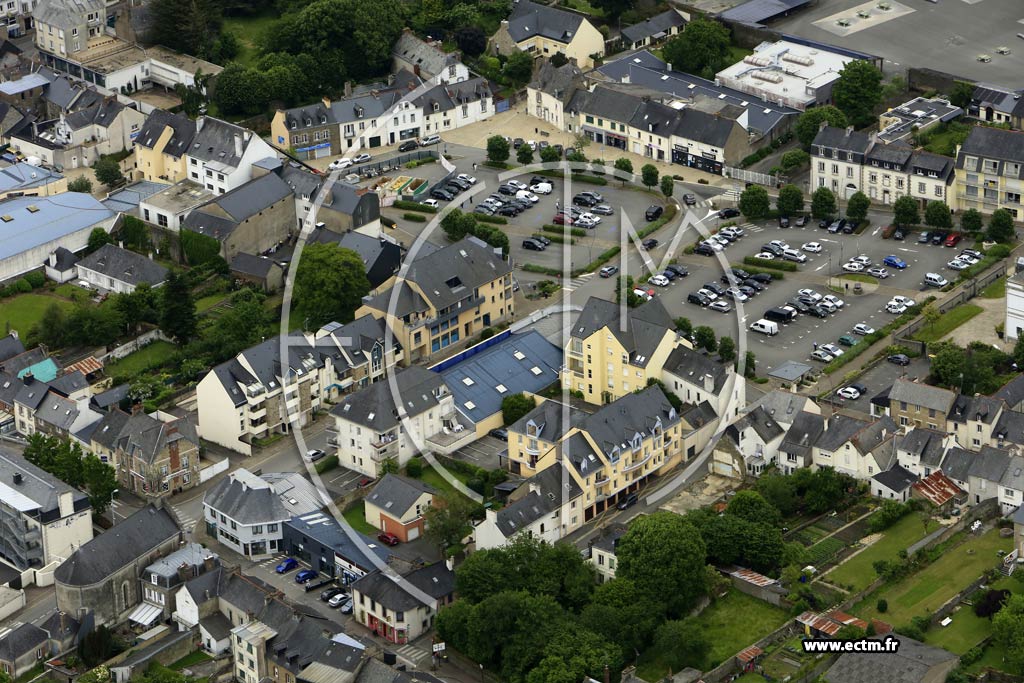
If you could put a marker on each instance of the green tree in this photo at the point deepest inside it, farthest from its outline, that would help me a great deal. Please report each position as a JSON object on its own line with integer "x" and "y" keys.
{"x": 684, "y": 327}
{"x": 618, "y": 612}
{"x": 664, "y": 556}
{"x": 937, "y": 215}
{"x": 752, "y": 506}
{"x": 1000, "y": 226}
{"x": 823, "y": 203}
{"x": 549, "y": 154}
{"x": 808, "y": 123}
{"x": 97, "y": 238}
{"x": 625, "y": 165}
{"x": 1008, "y": 632}
{"x": 524, "y": 154}
{"x": 858, "y": 91}
{"x": 857, "y": 207}
{"x": 389, "y": 466}
{"x": 750, "y": 365}
{"x": 515, "y": 406}
{"x": 448, "y": 523}
{"x": 188, "y": 26}
{"x": 573, "y": 655}
{"x": 613, "y": 9}
{"x": 702, "y": 48}
{"x": 778, "y": 490}
{"x": 497, "y": 149}
{"x": 905, "y": 211}
{"x": 961, "y": 94}
{"x": 754, "y": 203}
{"x": 649, "y": 175}
{"x": 790, "y": 201}
{"x": 108, "y": 172}
{"x": 141, "y": 305}
{"x": 177, "y": 309}
{"x": 727, "y": 349}
{"x": 794, "y": 159}
{"x": 704, "y": 338}
{"x": 330, "y": 284}
{"x": 971, "y": 221}
{"x": 244, "y": 323}
{"x": 100, "y": 480}
{"x": 81, "y": 184}
{"x": 667, "y": 185}
{"x": 241, "y": 90}
{"x": 518, "y": 68}
{"x": 471, "y": 40}
{"x": 682, "y": 644}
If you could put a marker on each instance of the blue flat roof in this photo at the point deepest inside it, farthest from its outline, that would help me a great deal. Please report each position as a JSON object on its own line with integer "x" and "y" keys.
{"x": 523, "y": 362}
{"x": 55, "y": 217}
{"x": 23, "y": 176}
{"x": 128, "y": 199}
{"x": 22, "y": 84}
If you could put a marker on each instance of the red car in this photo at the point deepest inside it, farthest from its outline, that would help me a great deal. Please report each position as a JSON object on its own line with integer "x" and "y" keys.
{"x": 562, "y": 219}
{"x": 953, "y": 239}
{"x": 388, "y": 538}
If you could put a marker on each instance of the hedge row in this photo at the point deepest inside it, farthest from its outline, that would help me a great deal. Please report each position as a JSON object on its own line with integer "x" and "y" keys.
{"x": 484, "y": 218}
{"x": 776, "y": 275}
{"x": 543, "y": 270}
{"x": 869, "y": 340}
{"x": 420, "y": 162}
{"x": 559, "y": 230}
{"x": 558, "y": 239}
{"x": 581, "y": 177}
{"x": 415, "y": 217}
{"x": 787, "y": 266}
{"x": 414, "y": 206}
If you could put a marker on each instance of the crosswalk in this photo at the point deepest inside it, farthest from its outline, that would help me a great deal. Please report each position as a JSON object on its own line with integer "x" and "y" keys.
{"x": 272, "y": 561}
{"x": 577, "y": 282}
{"x": 187, "y": 521}
{"x": 750, "y": 227}
{"x": 411, "y": 654}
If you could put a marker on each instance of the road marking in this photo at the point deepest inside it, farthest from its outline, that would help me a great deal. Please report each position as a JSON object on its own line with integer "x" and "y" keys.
{"x": 820, "y": 267}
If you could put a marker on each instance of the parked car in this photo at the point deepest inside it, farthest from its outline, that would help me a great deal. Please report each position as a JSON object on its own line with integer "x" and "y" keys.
{"x": 330, "y": 593}
{"x": 441, "y": 193}
{"x": 801, "y": 221}
{"x": 935, "y": 280}
{"x": 361, "y": 158}
{"x": 847, "y": 340}
{"x": 800, "y": 306}
{"x": 863, "y": 329}
{"x": 697, "y": 298}
{"x": 608, "y": 271}
{"x": 812, "y": 247}
{"x": 728, "y": 212}
{"x": 388, "y": 538}
{"x": 765, "y": 256}
{"x": 542, "y": 239}
{"x": 879, "y": 272}
{"x": 408, "y": 146}
{"x": 338, "y": 164}
{"x": 818, "y": 312}
{"x": 754, "y": 284}
{"x": 894, "y": 262}
{"x": 339, "y": 599}
{"x": 650, "y": 243}
{"x": 541, "y": 188}
{"x": 853, "y": 267}
{"x": 958, "y": 264}
{"x": 703, "y": 249}
{"x": 347, "y": 606}
{"x": 680, "y": 271}
{"x": 430, "y": 140}
{"x": 811, "y": 293}
{"x": 783, "y": 221}
{"x": 658, "y": 280}
{"x": 583, "y": 200}
{"x": 287, "y": 564}
{"x": 305, "y": 575}
{"x": 707, "y": 294}
{"x": 629, "y": 501}
{"x": 533, "y": 245}
{"x": 848, "y": 393}
{"x": 314, "y": 454}
{"x": 593, "y": 194}
{"x": 899, "y": 359}
{"x": 645, "y": 294}
{"x": 834, "y": 300}
{"x": 953, "y": 239}
{"x": 762, "y": 278}
{"x": 720, "y": 306}
{"x": 938, "y": 238}
{"x": 653, "y": 212}
{"x": 924, "y": 238}
{"x": 499, "y": 433}
{"x": 715, "y": 287}
{"x": 832, "y": 349}
{"x": 823, "y": 356}
{"x": 602, "y": 210}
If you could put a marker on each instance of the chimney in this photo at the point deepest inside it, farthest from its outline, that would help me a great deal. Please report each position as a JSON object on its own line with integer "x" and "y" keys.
{"x": 450, "y": 563}
{"x": 709, "y": 383}
{"x": 62, "y": 627}
{"x": 183, "y": 572}
{"x": 239, "y": 149}
{"x": 326, "y": 102}
{"x": 504, "y": 24}
{"x": 120, "y": 244}
{"x": 849, "y": 131}
{"x": 209, "y": 562}
{"x": 136, "y": 408}
{"x": 17, "y": 478}
{"x": 29, "y": 378}
{"x": 53, "y": 259}
{"x": 348, "y": 89}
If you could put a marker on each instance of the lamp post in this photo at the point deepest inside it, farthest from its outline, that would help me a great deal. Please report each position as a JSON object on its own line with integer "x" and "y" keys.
{"x": 113, "y": 513}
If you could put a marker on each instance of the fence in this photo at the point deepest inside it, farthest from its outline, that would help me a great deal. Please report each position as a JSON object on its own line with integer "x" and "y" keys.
{"x": 749, "y": 176}
{"x": 144, "y": 339}
{"x": 209, "y": 472}
{"x": 731, "y": 666}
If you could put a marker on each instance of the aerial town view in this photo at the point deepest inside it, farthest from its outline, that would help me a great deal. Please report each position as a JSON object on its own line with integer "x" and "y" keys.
{"x": 512, "y": 341}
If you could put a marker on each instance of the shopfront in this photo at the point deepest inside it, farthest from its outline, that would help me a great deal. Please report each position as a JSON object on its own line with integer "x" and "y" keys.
{"x": 707, "y": 162}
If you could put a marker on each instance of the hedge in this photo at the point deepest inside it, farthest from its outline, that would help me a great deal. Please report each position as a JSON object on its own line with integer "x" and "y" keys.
{"x": 558, "y": 239}
{"x": 327, "y": 464}
{"x": 415, "y": 217}
{"x": 787, "y": 266}
{"x": 484, "y": 218}
{"x": 582, "y": 177}
{"x": 543, "y": 270}
{"x": 558, "y": 230}
{"x": 414, "y": 206}
{"x": 776, "y": 275}
{"x": 420, "y": 162}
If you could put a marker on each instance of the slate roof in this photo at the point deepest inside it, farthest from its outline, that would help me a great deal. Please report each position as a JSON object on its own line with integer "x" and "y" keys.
{"x": 254, "y": 266}
{"x": 365, "y": 107}
{"x": 142, "y": 436}
{"x": 659, "y": 23}
{"x": 65, "y": 13}
{"x": 435, "y": 580}
{"x": 326, "y": 530}
{"x": 990, "y": 464}
{"x": 1012, "y": 392}
{"x": 871, "y": 437}
{"x": 767, "y": 428}
{"x": 446, "y": 97}
{"x": 1018, "y": 515}
{"x": 924, "y": 395}
{"x": 10, "y": 346}
{"x": 65, "y": 260}
{"x": 957, "y": 463}
{"x": 69, "y": 383}
{"x": 840, "y": 429}
{"x": 103, "y": 113}
{"x": 1013, "y": 477}
{"x": 396, "y": 494}
{"x": 645, "y": 326}
{"x": 247, "y": 593}
{"x": 927, "y": 444}
{"x": 832, "y": 137}
{"x": 217, "y": 625}
{"x": 39, "y": 492}
{"x": 123, "y": 265}
{"x": 897, "y": 478}
{"x": 21, "y": 641}
{"x": 246, "y": 499}
{"x": 53, "y": 625}
{"x": 263, "y": 366}
{"x": 374, "y": 406}
{"x": 558, "y": 81}
{"x": 430, "y": 59}
{"x": 219, "y": 217}
{"x": 1010, "y": 427}
{"x": 382, "y": 258}
{"x": 127, "y": 199}
{"x": 117, "y": 547}
{"x": 548, "y": 489}
{"x": 548, "y": 418}
{"x": 996, "y": 144}
{"x": 983, "y": 409}
{"x": 910, "y": 664}
{"x": 803, "y": 434}
{"x": 183, "y": 130}
{"x": 111, "y": 396}
{"x": 214, "y": 141}
{"x": 609, "y": 538}
{"x": 529, "y": 19}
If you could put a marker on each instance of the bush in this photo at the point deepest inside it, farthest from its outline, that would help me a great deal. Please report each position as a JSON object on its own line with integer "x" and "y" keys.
{"x": 882, "y": 605}
{"x": 484, "y": 218}
{"x": 327, "y": 464}
{"x": 413, "y": 206}
{"x": 414, "y": 468}
{"x": 36, "y": 279}
{"x": 558, "y": 230}
{"x": 415, "y": 217}
{"x": 21, "y": 286}
{"x": 543, "y": 270}
{"x": 776, "y": 275}
{"x": 557, "y": 239}
{"x": 787, "y": 266}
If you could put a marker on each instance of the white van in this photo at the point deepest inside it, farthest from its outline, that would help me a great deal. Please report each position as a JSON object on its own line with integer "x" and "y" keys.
{"x": 765, "y": 327}
{"x": 935, "y": 280}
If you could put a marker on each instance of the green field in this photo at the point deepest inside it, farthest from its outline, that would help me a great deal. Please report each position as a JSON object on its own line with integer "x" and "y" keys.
{"x": 22, "y": 312}
{"x": 432, "y": 477}
{"x": 356, "y": 516}
{"x": 249, "y": 30}
{"x": 823, "y": 551}
{"x": 191, "y": 658}
{"x": 996, "y": 290}
{"x": 928, "y": 589}
{"x": 966, "y": 631}
{"x": 947, "y": 322}
{"x": 858, "y": 571}
{"x": 731, "y": 624}
{"x": 134, "y": 363}
{"x": 208, "y": 302}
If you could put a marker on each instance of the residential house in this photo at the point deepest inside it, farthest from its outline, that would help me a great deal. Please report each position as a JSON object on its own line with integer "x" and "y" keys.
{"x": 1011, "y": 484}
{"x": 997, "y": 104}
{"x": 912, "y": 662}
{"x": 449, "y": 106}
{"x": 65, "y": 28}
{"x": 398, "y": 504}
{"x": 58, "y": 415}
{"x": 335, "y": 551}
{"x": 60, "y": 266}
{"x": 62, "y": 630}
{"x": 547, "y": 506}
{"x": 990, "y": 171}
{"x": 920, "y": 450}
{"x": 859, "y": 448}
{"x": 426, "y": 59}
{"x": 22, "y": 648}
{"x": 162, "y": 579}
{"x": 909, "y": 118}
{"x": 756, "y": 436}
{"x": 1011, "y": 393}
{"x": 972, "y": 420}
{"x": 42, "y": 519}
{"x": 608, "y": 357}
{"x": 220, "y": 599}
{"x": 893, "y": 484}
{"x": 551, "y": 89}
{"x": 797, "y": 448}
{"x": 1014, "y": 322}
{"x": 986, "y": 472}
{"x": 602, "y": 552}
{"x": 544, "y": 30}
{"x": 695, "y": 378}
{"x": 533, "y": 439}
{"x": 915, "y": 404}
{"x": 658, "y": 28}
{"x": 939, "y": 490}
{"x": 161, "y": 145}
{"x": 444, "y": 297}
{"x": 784, "y": 406}
{"x": 400, "y": 610}
{"x": 113, "y": 269}
{"x": 102, "y": 576}
{"x": 956, "y": 465}
{"x": 168, "y": 207}
{"x": 261, "y": 271}
{"x": 1018, "y": 531}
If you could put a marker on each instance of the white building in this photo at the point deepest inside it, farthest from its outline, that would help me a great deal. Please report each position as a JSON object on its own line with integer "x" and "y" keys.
{"x": 1015, "y": 306}
{"x": 222, "y": 154}
{"x": 546, "y": 507}
{"x": 113, "y": 269}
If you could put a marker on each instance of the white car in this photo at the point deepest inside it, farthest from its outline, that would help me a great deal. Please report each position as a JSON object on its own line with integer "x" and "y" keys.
{"x": 895, "y": 307}
{"x": 720, "y": 306}
{"x": 528, "y": 196}
{"x": 780, "y": 244}
{"x": 584, "y": 223}
{"x": 957, "y": 264}
{"x": 827, "y": 305}
{"x": 659, "y": 280}
{"x": 518, "y": 184}
{"x": 834, "y": 300}
{"x": 904, "y": 300}
{"x": 969, "y": 258}
{"x": 724, "y": 241}
{"x": 361, "y": 158}
{"x": 590, "y": 217}
{"x": 736, "y": 295}
{"x": 432, "y": 203}
{"x": 343, "y": 162}
{"x": 468, "y": 178}
{"x": 848, "y": 392}
{"x": 714, "y": 245}
{"x": 853, "y": 267}
{"x": 879, "y": 272}
{"x": 863, "y": 328}
{"x": 862, "y": 259}
{"x": 822, "y": 355}
{"x": 812, "y": 247}
{"x": 532, "y": 144}
{"x": 767, "y": 256}
{"x": 711, "y": 296}
{"x": 541, "y": 188}
{"x": 832, "y": 349}
{"x": 809, "y": 292}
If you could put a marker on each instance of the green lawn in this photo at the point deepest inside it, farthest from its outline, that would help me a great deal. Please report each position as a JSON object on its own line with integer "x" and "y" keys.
{"x": 966, "y": 631}
{"x": 731, "y": 624}
{"x": 356, "y": 516}
{"x": 996, "y": 290}
{"x": 858, "y": 571}
{"x": 208, "y": 302}
{"x": 584, "y": 6}
{"x": 188, "y": 660}
{"x": 134, "y": 363}
{"x": 928, "y": 589}
{"x": 249, "y": 30}
{"x": 859, "y": 277}
{"x": 737, "y": 54}
{"x": 942, "y": 139}
{"x": 947, "y": 322}
{"x": 22, "y": 312}
{"x": 992, "y": 656}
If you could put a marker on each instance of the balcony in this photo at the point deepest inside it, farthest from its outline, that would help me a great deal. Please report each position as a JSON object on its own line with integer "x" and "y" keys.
{"x": 638, "y": 463}
{"x": 382, "y": 441}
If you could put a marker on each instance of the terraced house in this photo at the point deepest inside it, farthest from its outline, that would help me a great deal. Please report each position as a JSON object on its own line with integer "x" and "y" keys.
{"x": 544, "y": 31}
{"x": 990, "y": 171}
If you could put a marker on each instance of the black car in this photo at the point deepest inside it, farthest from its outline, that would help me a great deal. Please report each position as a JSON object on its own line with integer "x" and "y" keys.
{"x": 559, "y": 149}
{"x": 517, "y": 143}
{"x": 442, "y": 194}
{"x": 783, "y": 221}
{"x": 689, "y": 199}
{"x": 460, "y": 183}
{"x": 680, "y": 271}
{"x": 697, "y": 298}
{"x": 650, "y": 243}
{"x": 715, "y": 287}
{"x": 330, "y": 593}
{"x": 800, "y": 306}
{"x": 801, "y": 222}
{"x": 899, "y": 235}
{"x": 628, "y": 502}
{"x": 703, "y": 250}
{"x": 542, "y": 239}
{"x": 508, "y": 210}
{"x": 835, "y": 227}
{"x": 729, "y": 212}
{"x": 538, "y": 179}
{"x": 899, "y": 359}
{"x": 653, "y": 212}
{"x": 499, "y": 433}
{"x": 408, "y": 146}
{"x": 763, "y": 278}
{"x": 669, "y": 274}
{"x": 859, "y": 387}
{"x": 543, "y": 144}
{"x": 533, "y": 245}
{"x": 818, "y": 312}
{"x": 739, "y": 273}
{"x": 849, "y": 227}
{"x": 808, "y": 301}
{"x": 584, "y": 200}
{"x": 773, "y": 249}
{"x": 748, "y": 292}
{"x": 508, "y": 190}
{"x": 754, "y": 285}
{"x": 938, "y": 237}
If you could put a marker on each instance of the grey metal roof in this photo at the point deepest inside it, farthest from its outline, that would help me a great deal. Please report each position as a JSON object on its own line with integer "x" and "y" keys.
{"x": 246, "y": 499}
{"x": 190, "y": 554}
{"x": 219, "y": 217}
{"x": 326, "y": 530}
{"x": 123, "y": 543}
{"x": 927, "y": 444}
{"x": 897, "y": 478}
{"x": 123, "y": 265}
{"x": 645, "y": 326}
{"x": 39, "y": 491}
{"x": 803, "y": 434}
{"x": 396, "y": 494}
{"x": 524, "y": 362}
{"x": 374, "y": 406}
{"x": 183, "y": 130}
{"x": 659, "y": 23}
{"x": 66, "y": 14}
{"x": 435, "y": 580}
{"x": 912, "y": 663}
{"x": 55, "y": 217}
{"x": 255, "y": 266}
{"x": 529, "y": 19}
{"x": 996, "y": 144}
{"x": 21, "y": 641}
{"x": 790, "y": 371}
{"x": 760, "y": 11}
{"x": 924, "y": 395}
{"x": 548, "y": 418}
{"x": 127, "y": 200}
{"x": 25, "y": 176}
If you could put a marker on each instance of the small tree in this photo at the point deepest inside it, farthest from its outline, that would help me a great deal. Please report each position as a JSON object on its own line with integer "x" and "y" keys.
{"x": 794, "y": 159}
{"x": 497, "y": 149}
{"x": 750, "y": 365}
{"x": 685, "y": 327}
{"x": 549, "y": 154}
{"x": 108, "y": 172}
{"x": 704, "y": 338}
{"x": 515, "y": 406}
{"x": 727, "y": 349}
{"x": 625, "y": 165}
{"x": 905, "y": 211}
{"x": 809, "y": 123}
{"x": 790, "y": 201}
{"x": 971, "y": 221}
{"x": 937, "y": 215}
{"x": 882, "y": 605}
{"x": 524, "y": 154}
{"x": 649, "y": 175}
{"x": 80, "y": 184}
{"x": 857, "y": 207}
{"x": 961, "y": 94}
{"x": 754, "y": 202}
{"x": 823, "y": 203}
{"x": 97, "y": 238}
{"x": 667, "y": 185}
{"x": 1000, "y": 226}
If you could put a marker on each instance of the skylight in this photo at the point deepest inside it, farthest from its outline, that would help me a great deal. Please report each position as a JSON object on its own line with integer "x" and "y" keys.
{"x": 501, "y": 388}
{"x": 468, "y": 381}
{"x": 535, "y": 370}
{"x": 469, "y": 405}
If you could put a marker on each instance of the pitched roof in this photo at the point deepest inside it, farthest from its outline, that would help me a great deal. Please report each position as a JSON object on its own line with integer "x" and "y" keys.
{"x": 693, "y": 367}
{"x": 396, "y": 494}
{"x": 529, "y": 19}
{"x": 1012, "y": 392}
{"x": 547, "y": 418}
{"x": 326, "y": 530}
{"x": 436, "y": 580}
{"x": 254, "y": 266}
{"x": 447, "y": 96}
{"x": 911, "y": 663}
{"x": 803, "y": 433}
{"x": 832, "y": 137}
{"x": 995, "y": 144}
{"x": 1010, "y": 427}
{"x": 645, "y": 326}
{"x": 547, "y": 490}
{"x": 10, "y": 346}
{"x": 246, "y": 498}
{"x": 558, "y": 81}
{"x": 990, "y": 464}
{"x": 924, "y": 395}
{"x": 840, "y": 429}
{"x": 957, "y": 463}
{"x": 937, "y": 488}
{"x": 659, "y": 23}
{"x": 430, "y": 59}
{"x": 1013, "y": 477}
{"x": 767, "y": 428}
{"x": 219, "y": 217}
{"x": 261, "y": 365}
{"x": 183, "y": 129}
{"x": 126, "y": 266}
{"x": 976, "y": 408}
{"x": 102, "y": 113}
{"x": 927, "y": 444}
{"x": 896, "y": 478}
{"x": 375, "y": 406}
{"x": 21, "y": 641}
{"x": 65, "y": 14}
{"x": 115, "y": 548}
{"x": 219, "y": 141}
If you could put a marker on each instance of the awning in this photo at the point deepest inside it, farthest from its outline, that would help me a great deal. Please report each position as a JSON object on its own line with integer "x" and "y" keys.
{"x": 145, "y": 614}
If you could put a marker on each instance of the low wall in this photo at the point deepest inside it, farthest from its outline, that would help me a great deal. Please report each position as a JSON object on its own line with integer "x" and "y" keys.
{"x": 134, "y": 345}
{"x": 766, "y": 593}
{"x": 208, "y": 473}
{"x": 731, "y": 666}
{"x": 952, "y": 603}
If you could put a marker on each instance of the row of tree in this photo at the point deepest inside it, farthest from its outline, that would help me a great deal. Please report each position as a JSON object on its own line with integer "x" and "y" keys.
{"x": 66, "y": 461}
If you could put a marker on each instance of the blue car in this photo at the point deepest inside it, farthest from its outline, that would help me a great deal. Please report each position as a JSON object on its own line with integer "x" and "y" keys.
{"x": 287, "y": 564}
{"x": 894, "y": 262}
{"x": 305, "y": 575}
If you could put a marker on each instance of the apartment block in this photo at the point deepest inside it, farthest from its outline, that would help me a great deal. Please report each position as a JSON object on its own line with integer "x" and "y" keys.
{"x": 990, "y": 171}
